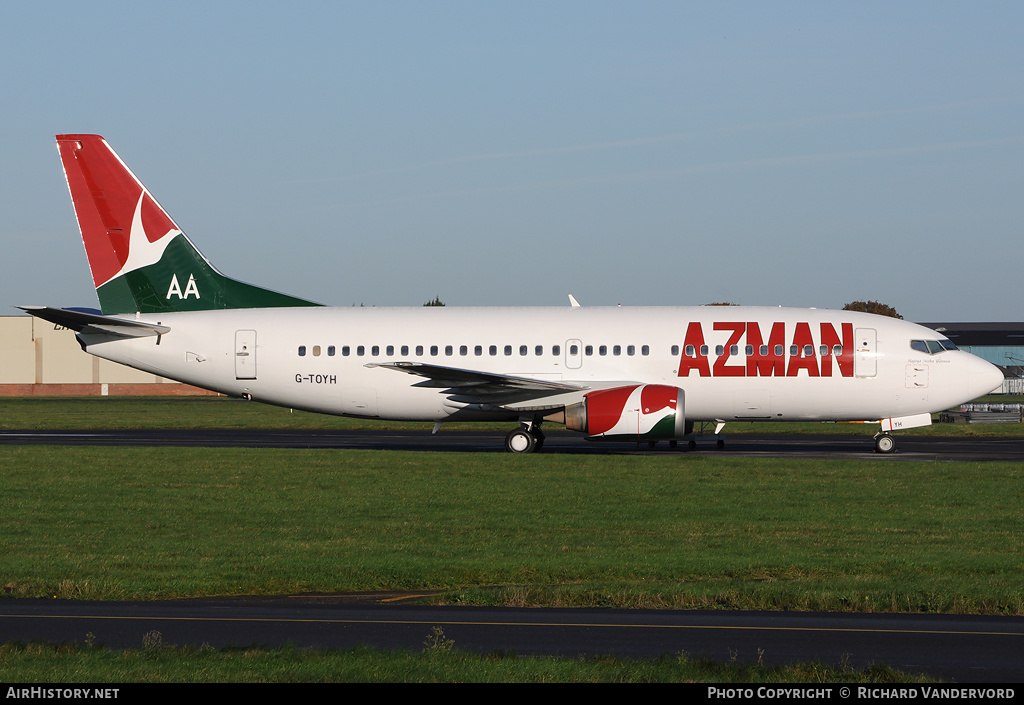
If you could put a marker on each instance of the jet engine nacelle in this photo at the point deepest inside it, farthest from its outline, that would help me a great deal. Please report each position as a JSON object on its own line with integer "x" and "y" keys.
{"x": 636, "y": 412}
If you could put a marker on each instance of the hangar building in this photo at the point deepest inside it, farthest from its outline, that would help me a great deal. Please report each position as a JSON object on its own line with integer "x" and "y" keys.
{"x": 40, "y": 359}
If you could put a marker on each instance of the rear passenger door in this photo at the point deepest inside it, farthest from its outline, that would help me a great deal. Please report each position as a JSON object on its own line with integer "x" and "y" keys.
{"x": 245, "y": 354}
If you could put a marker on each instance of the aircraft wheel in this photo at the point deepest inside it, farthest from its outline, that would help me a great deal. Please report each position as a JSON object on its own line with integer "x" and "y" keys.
{"x": 884, "y": 443}
{"x": 538, "y": 439}
{"x": 691, "y": 444}
{"x": 720, "y": 444}
{"x": 520, "y": 441}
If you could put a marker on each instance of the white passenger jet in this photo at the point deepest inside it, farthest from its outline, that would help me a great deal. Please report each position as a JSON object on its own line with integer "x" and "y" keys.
{"x": 613, "y": 373}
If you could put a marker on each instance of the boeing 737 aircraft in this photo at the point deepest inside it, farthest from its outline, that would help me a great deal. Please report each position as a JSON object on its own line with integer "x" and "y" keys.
{"x": 613, "y": 373}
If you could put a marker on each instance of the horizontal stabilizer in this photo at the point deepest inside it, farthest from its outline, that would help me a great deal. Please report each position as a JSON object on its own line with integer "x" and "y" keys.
{"x": 82, "y": 322}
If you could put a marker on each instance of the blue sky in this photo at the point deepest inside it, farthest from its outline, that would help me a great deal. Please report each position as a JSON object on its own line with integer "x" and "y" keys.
{"x": 507, "y": 153}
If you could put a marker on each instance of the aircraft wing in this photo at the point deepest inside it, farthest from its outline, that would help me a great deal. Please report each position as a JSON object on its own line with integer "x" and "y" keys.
{"x": 83, "y": 322}
{"x": 472, "y": 386}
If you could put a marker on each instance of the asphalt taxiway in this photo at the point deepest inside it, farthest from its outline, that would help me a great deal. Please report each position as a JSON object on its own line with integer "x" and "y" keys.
{"x": 835, "y": 446}
{"x": 950, "y": 647}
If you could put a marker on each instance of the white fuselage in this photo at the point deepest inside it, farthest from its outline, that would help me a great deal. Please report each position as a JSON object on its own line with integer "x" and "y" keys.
{"x": 732, "y": 362}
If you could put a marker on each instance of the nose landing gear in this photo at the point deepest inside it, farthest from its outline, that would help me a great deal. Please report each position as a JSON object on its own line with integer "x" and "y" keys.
{"x": 884, "y": 443}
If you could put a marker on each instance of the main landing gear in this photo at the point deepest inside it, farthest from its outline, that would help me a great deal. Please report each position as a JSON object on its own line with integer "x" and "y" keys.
{"x": 528, "y": 438}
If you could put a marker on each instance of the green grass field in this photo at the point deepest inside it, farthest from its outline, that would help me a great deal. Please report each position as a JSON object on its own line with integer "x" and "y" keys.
{"x": 630, "y": 531}
{"x": 677, "y": 531}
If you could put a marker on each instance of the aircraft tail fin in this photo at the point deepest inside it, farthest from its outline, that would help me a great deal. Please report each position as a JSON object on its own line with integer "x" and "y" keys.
{"x": 140, "y": 259}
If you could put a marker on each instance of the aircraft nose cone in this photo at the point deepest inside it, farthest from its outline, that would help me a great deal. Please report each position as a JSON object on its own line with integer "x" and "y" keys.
{"x": 984, "y": 378}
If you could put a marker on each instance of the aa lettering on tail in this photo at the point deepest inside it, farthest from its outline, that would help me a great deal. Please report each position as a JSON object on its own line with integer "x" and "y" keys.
{"x": 190, "y": 288}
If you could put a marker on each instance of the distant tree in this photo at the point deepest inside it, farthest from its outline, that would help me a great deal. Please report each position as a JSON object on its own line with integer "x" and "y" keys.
{"x": 436, "y": 302}
{"x": 872, "y": 307}
{"x": 721, "y": 303}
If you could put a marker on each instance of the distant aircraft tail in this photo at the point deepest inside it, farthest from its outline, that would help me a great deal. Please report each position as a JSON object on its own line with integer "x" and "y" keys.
{"x": 140, "y": 259}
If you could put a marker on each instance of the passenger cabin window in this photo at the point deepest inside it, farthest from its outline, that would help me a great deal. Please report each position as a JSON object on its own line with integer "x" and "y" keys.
{"x": 302, "y": 351}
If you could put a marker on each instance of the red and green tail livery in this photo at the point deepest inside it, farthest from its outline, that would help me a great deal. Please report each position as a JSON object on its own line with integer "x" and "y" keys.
{"x": 140, "y": 259}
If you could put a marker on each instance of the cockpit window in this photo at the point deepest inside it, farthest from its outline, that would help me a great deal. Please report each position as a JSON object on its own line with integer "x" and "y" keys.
{"x": 932, "y": 347}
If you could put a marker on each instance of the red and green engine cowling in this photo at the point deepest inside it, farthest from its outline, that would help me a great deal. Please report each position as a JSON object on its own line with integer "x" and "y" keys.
{"x": 641, "y": 412}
